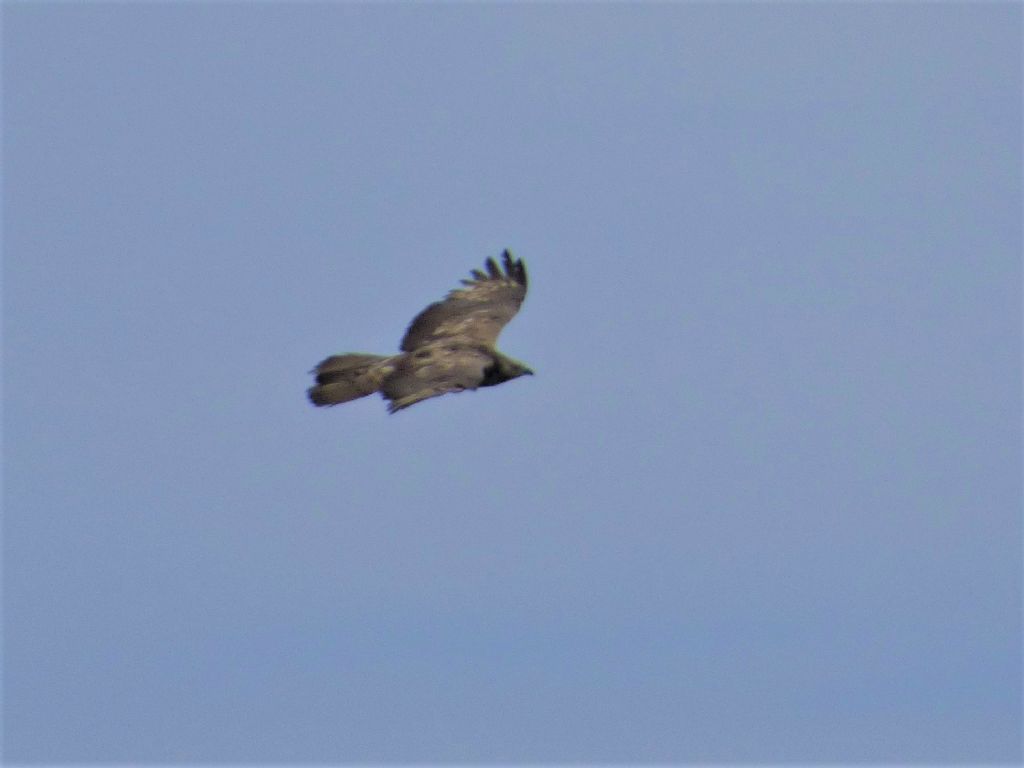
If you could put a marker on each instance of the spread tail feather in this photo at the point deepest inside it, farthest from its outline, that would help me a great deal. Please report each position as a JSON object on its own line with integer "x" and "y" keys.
{"x": 348, "y": 377}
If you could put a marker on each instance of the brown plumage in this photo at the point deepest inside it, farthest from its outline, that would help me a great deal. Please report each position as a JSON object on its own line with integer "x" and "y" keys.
{"x": 449, "y": 346}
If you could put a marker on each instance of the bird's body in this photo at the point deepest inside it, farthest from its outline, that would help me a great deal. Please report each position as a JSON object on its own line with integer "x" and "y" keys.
{"x": 449, "y": 347}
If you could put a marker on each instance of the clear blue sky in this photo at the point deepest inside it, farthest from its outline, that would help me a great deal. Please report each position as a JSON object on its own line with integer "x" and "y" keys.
{"x": 761, "y": 502}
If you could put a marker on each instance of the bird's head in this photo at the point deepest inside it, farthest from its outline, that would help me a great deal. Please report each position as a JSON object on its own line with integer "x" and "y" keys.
{"x": 504, "y": 369}
{"x": 514, "y": 369}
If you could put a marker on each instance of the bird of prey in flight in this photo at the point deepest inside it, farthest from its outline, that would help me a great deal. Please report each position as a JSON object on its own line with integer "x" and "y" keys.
{"x": 449, "y": 346}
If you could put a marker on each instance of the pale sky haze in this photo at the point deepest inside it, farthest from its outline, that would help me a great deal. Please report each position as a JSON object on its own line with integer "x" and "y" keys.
{"x": 761, "y": 502}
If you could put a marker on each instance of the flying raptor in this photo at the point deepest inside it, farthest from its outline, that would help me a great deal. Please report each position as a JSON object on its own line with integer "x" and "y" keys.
{"x": 449, "y": 346}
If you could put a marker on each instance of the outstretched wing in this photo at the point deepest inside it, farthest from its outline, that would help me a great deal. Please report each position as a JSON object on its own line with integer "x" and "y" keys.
{"x": 476, "y": 313}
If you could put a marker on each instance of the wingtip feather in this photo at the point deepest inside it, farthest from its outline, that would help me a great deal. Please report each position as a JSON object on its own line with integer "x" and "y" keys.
{"x": 515, "y": 268}
{"x": 511, "y": 269}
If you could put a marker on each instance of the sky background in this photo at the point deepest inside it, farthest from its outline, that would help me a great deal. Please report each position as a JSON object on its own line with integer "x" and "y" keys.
{"x": 761, "y": 502}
